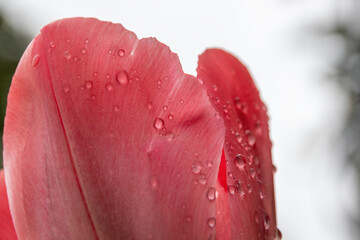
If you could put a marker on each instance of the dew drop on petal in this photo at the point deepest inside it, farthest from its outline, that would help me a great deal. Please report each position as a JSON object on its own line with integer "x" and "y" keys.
{"x": 196, "y": 167}
{"x": 35, "y": 60}
{"x": 202, "y": 179}
{"x": 52, "y": 44}
{"x": 88, "y": 84}
{"x": 116, "y": 108}
{"x": 211, "y": 194}
{"x": 240, "y": 161}
{"x": 231, "y": 189}
{"x": 170, "y": 117}
{"x": 67, "y": 55}
{"x": 66, "y": 89}
{"x": 158, "y": 123}
{"x": 266, "y": 221}
{"x": 149, "y": 105}
{"x": 109, "y": 87}
{"x": 211, "y": 222}
{"x": 251, "y": 137}
{"x": 83, "y": 50}
{"x": 122, "y": 77}
{"x": 121, "y": 52}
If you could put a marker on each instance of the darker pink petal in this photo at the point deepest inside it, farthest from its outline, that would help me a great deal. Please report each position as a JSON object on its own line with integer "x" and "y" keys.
{"x": 247, "y": 175}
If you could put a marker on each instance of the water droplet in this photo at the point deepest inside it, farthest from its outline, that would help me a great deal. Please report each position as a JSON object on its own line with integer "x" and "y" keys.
{"x": 86, "y": 41}
{"x": 122, "y": 77}
{"x": 201, "y": 81}
{"x": 202, "y": 179}
{"x": 52, "y": 44}
{"x": 266, "y": 221}
{"x": 170, "y": 117}
{"x": 76, "y": 59}
{"x": 165, "y": 107}
{"x": 196, "y": 167}
{"x": 188, "y": 219}
{"x": 67, "y": 55}
{"x": 68, "y": 40}
{"x": 181, "y": 101}
{"x": 274, "y": 169}
{"x": 158, "y": 124}
{"x": 209, "y": 163}
{"x": 121, "y": 52}
{"x": 109, "y": 87}
{"x": 249, "y": 188}
{"x": 149, "y": 105}
{"x": 251, "y": 137}
{"x": 239, "y": 188}
{"x": 88, "y": 84}
{"x": 35, "y": 60}
{"x": 230, "y": 174}
{"x": 240, "y": 161}
{"x": 231, "y": 189}
{"x": 116, "y": 108}
{"x": 215, "y": 88}
{"x": 211, "y": 194}
{"x": 95, "y": 74}
{"x": 66, "y": 89}
{"x": 110, "y": 52}
{"x": 211, "y": 222}
{"x": 83, "y": 50}
{"x": 262, "y": 191}
{"x": 154, "y": 182}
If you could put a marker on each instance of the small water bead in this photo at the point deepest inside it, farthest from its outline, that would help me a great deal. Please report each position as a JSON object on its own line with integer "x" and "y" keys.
{"x": 239, "y": 188}
{"x": 209, "y": 163}
{"x": 83, "y": 50}
{"x": 68, "y": 40}
{"x": 230, "y": 174}
{"x": 211, "y": 194}
{"x": 121, "y": 53}
{"x": 262, "y": 191}
{"x": 251, "y": 137}
{"x": 170, "y": 116}
{"x": 249, "y": 188}
{"x": 109, "y": 87}
{"x": 215, "y": 88}
{"x": 267, "y": 221}
{"x": 52, "y": 44}
{"x": 76, "y": 59}
{"x": 35, "y": 60}
{"x": 158, "y": 124}
{"x": 67, "y": 55}
{"x": 154, "y": 182}
{"x": 93, "y": 97}
{"x": 165, "y": 107}
{"x": 196, "y": 167}
{"x": 86, "y": 41}
{"x": 240, "y": 161}
{"x": 116, "y": 108}
{"x": 95, "y": 74}
{"x": 202, "y": 179}
{"x": 109, "y": 52}
{"x": 181, "y": 101}
{"x": 188, "y": 219}
{"x": 66, "y": 89}
{"x": 211, "y": 222}
{"x": 252, "y": 173}
{"x": 231, "y": 189}
{"x": 122, "y": 77}
{"x": 278, "y": 235}
{"x": 88, "y": 84}
{"x": 149, "y": 105}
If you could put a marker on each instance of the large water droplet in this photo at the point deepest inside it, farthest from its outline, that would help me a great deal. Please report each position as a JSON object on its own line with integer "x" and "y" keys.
{"x": 196, "y": 167}
{"x": 240, "y": 161}
{"x": 211, "y": 222}
{"x": 122, "y": 77}
{"x": 158, "y": 123}
{"x": 121, "y": 53}
{"x": 211, "y": 194}
{"x": 35, "y": 60}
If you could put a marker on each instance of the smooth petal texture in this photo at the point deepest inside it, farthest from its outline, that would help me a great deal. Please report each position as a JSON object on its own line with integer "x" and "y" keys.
{"x": 106, "y": 138}
{"x": 7, "y": 231}
{"x": 247, "y": 172}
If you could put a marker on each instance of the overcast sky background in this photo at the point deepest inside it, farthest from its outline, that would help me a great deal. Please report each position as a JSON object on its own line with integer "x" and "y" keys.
{"x": 278, "y": 41}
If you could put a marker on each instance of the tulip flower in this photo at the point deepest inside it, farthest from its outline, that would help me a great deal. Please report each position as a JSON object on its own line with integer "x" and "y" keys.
{"x": 107, "y": 138}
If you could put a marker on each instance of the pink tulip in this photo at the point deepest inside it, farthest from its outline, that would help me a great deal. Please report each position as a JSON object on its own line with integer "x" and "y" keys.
{"x": 107, "y": 138}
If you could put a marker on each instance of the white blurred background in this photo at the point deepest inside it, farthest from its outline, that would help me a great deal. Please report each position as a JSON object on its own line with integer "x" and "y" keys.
{"x": 287, "y": 48}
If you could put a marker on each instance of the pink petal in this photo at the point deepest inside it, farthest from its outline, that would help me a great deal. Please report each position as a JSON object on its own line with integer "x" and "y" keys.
{"x": 247, "y": 177}
{"x": 106, "y": 138}
{"x": 7, "y": 231}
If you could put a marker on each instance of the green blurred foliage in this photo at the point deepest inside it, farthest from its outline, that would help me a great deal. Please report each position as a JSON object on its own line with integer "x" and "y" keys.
{"x": 12, "y": 45}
